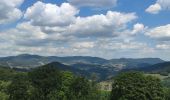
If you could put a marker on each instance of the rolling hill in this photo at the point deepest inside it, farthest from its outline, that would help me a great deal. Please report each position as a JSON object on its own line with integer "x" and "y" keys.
{"x": 157, "y": 68}
{"x": 81, "y": 65}
{"x": 31, "y": 61}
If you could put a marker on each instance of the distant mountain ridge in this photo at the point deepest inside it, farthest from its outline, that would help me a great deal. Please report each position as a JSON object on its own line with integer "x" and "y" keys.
{"x": 156, "y": 68}
{"x": 136, "y": 63}
{"x": 32, "y": 61}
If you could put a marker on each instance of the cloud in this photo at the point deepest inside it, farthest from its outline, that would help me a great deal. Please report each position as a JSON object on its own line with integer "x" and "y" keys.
{"x": 158, "y": 6}
{"x": 107, "y": 44}
{"x": 49, "y": 29}
{"x": 80, "y": 37}
{"x": 24, "y": 33}
{"x": 163, "y": 46}
{"x": 101, "y": 25}
{"x": 154, "y": 9}
{"x": 80, "y": 45}
{"x": 9, "y": 11}
{"x": 161, "y": 33}
{"x": 93, "y": 3}
{"x": 42, "y": 14}
{"x": 165, "y": 4}
{"x": 26, "y": 38}
{"x": 137, "y": 28}
{"x": 53, "y": 19}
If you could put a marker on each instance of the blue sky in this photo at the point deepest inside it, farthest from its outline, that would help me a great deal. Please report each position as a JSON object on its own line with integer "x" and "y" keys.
{"x": 102, "y": 28}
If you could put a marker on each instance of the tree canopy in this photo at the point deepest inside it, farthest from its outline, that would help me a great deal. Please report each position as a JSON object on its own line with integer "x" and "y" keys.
{"x": 136, "y": 86}
{"x": 49, "y": 83}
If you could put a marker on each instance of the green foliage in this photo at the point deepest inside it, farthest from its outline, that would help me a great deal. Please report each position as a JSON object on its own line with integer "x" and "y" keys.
{"x": 3, "y": 96}
{"x": 136, "y": 86}
{"x": 45, "y": 83}
{"x": 49, "y": 83}
{"x": 6, "y": 74}
{"x": 64, "y": 92}
{"x": 52, "y": 84}
{"x": 166, "y": 82}
{"x": 3, "y": 90}
{"x": 45, "y": 80}
{"x": 82, "y": 89}
{"x": 67, "y": 79}
{"x": 104, "y": 95}
{"x": 167, "y": 93}
{"x": 4, "y": 85}
{"x": 19, "y": 88}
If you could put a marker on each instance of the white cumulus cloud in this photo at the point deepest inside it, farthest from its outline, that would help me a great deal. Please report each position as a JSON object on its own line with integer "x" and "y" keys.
{"x": 64, "y": 32}
{"x": 138, "y": 28}
{"x": 101, "y": 25}
{"x": 43, "y": 14}
{"x": 54, "y": 19}
{"x": 158, "y": 6}
{"x": 154, "y": 9}
{"x": 161, "y": 32}
{"x": 9, "y": 11}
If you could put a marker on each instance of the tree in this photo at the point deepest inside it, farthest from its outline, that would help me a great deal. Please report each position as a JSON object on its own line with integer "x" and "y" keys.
{"x": 167, "y": 92}
{"x": 136, "y": 86}
{"x": 7, "y": 74}
{"x": 64, "y": 93}
{"x": 3, "y": 90}
{"x": 19, "y": 88}
{"x": 83, "y": 89}
{"x": 45, "y": 79}
{"x": 79, "y": 89}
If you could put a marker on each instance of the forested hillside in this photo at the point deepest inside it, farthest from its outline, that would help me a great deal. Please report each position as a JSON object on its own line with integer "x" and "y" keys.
{"x": 55, "y": 82}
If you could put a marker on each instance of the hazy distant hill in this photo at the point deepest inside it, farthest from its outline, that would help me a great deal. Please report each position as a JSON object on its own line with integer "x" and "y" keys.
{"x": 26, "y": 60}
{"x": 82, "y": 65}
{"x": 30, "y": 61}
{"x": 136, "y": 63}
{"x": 157, "y": 68}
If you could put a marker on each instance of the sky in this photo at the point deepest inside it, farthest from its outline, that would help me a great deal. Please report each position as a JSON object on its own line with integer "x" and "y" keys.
{"x": 100, "y": 28}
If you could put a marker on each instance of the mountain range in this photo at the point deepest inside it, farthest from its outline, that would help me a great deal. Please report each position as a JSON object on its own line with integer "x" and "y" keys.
{"x": 82, "y": 65}
{"x": 160, "y": 68}
{"x": 31, "y": 61}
